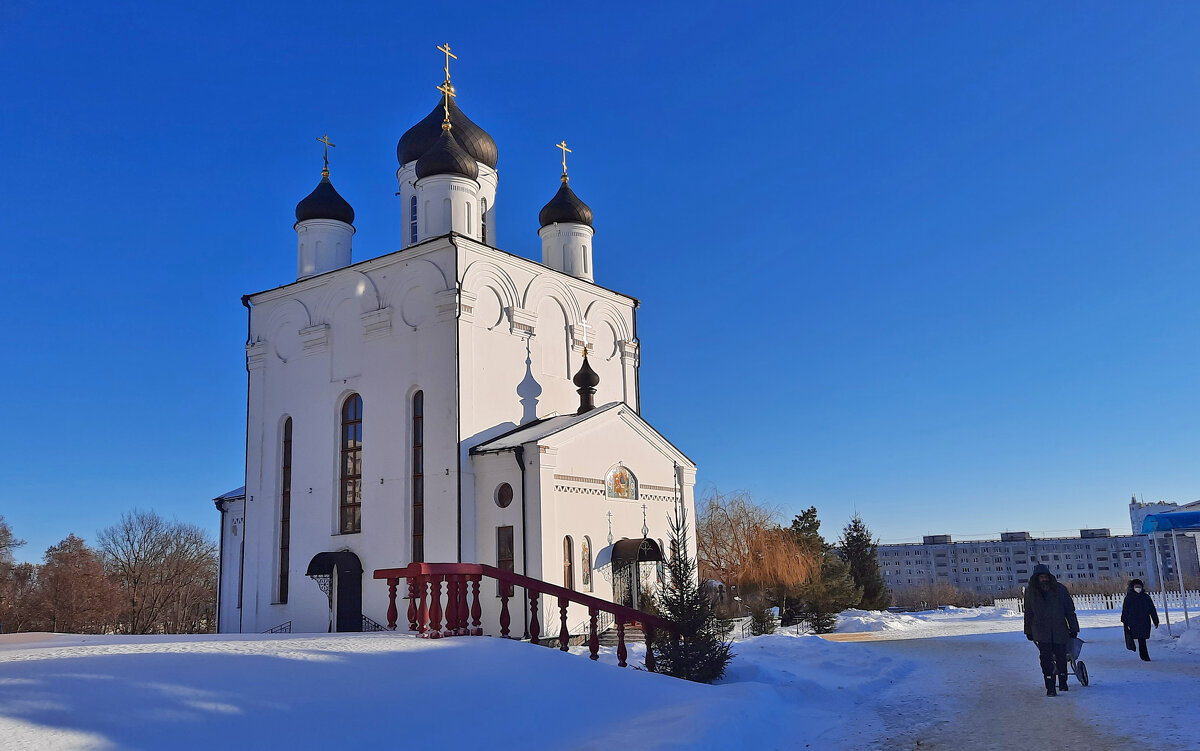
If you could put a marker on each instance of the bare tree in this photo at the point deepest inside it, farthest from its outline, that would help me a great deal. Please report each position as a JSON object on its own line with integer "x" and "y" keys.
{"x": 741, "y": 543}
{"x": 19, "y": 599}
{"x": 8, "y": 543}
{"x": 74, "y": 593}
{"x": 166, "y": 572}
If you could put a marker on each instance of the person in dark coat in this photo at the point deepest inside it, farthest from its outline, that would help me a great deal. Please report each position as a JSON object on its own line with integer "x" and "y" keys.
{"x": 1136, "y": 614}
{"x": 1050, "y": 623}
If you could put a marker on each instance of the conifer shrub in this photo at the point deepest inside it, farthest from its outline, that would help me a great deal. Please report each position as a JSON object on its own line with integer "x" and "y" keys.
{"x": 762, "y": 621}
{"x": 698, "y": 650}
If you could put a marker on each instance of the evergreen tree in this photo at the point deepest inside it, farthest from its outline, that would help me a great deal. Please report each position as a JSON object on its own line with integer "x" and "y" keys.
{"x": 818, "y": 602}
{"x": 860, "y": 551}
{"x": 698, "y": 651}
{"x": 762, "y": 621}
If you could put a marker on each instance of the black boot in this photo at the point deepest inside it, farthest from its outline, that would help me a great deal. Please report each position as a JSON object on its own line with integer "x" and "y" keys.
{"x": 1062, "y": 682}
{"x": 1050, "y": 686}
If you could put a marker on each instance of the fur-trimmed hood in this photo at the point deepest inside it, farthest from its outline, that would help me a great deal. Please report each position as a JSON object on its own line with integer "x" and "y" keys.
{"x": 1038, "y": 570}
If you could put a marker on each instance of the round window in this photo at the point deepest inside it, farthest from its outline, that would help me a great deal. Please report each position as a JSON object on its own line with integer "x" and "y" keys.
{"x": 504, "y": 495}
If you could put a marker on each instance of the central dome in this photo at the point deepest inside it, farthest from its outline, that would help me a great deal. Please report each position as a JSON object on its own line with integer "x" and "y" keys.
{"x": 421, "y": 137}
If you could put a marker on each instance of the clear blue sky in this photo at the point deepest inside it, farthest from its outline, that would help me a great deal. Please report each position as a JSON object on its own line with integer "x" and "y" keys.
{"x": 936, "y": 262}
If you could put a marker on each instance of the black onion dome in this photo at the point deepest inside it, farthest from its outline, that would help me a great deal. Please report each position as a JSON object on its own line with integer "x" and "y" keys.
{"x": 586, "y": 378}
{"x": 421, "y": 137}
{"x": 565, "y": 207}
{"x": 325, "y": 203}
{"x": 447, "y": 157}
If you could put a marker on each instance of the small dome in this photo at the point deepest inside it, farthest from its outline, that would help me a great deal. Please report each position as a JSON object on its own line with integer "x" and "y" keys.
{"x": 586, "y": 378}
{"x": 325, "y": 203}
{"x": 565, "y": 207}
{"x": 446, "y": 157}
{"x": 421, "y": 137}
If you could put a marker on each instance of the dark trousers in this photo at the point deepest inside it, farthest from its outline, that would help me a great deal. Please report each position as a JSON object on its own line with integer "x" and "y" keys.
{"x": 1141, "y": 645}
{"x": 1053, "y": 658}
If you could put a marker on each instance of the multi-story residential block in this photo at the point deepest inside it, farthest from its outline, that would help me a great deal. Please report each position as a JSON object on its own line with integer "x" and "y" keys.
{"x": 995, "y": 565}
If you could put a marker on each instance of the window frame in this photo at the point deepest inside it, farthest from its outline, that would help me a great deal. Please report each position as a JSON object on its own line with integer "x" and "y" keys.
{"x": 350, "y": 454}
{"x": 417, "y": 407}
{"x": 285, "y": 512}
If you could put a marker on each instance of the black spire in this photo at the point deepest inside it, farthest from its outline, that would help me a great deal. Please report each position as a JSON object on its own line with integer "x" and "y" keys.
{"x": 587, "y": 380}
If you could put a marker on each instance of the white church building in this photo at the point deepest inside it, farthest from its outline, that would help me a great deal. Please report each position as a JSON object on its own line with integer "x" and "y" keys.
{"x": 449, "y": 402}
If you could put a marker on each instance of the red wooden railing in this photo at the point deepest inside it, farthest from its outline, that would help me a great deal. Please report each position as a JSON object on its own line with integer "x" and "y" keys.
{"x": 426, "y": 612}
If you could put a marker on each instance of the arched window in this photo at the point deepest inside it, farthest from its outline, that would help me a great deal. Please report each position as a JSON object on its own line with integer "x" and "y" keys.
{"x": 418, "y": 476}
{"x": 467, "y": 226}
{"x": 585, "y": 561}
{"x": 568, "y": 563}
{"x": 350, "y": 501}
{"x": 412, "y": 220}
{"x": 285, "y": 511}
{"x": 483, "y": 220}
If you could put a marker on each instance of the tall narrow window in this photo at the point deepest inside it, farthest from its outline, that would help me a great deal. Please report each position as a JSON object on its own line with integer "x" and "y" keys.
{"x": 504, "y": 558}
{"x": 412, "y": 220}
{"x": 568, "y": 563}
{"x": 467, "y": 226}
{"x": 285, "y": 511}
{"x": 350, "y": 503}
{"x": 418, "y": 476}
{"x": 483, "y": 220}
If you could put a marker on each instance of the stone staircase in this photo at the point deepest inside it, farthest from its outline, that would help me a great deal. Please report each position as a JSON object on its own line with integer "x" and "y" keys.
{"x": 633, "y": 635}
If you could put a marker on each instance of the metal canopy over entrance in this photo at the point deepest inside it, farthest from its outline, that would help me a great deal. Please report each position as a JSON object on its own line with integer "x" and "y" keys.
{"x": 635, "y": 566}
{"x": 339, "y": 575}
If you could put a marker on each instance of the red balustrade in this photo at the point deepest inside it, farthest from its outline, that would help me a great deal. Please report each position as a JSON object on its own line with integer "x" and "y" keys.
{"x": 463, "y": 613}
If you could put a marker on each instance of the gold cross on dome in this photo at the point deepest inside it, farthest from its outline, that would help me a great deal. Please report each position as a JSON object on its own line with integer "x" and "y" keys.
{"x": 325, "y": 140}
{"x": 447, "y": 92}
{"x": 565, "y": 151}
{"x": 445, "y": 48}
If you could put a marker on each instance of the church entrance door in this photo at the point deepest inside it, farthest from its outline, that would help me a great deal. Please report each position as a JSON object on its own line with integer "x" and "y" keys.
{"x": 634, "y": 565}
{"x": 339, "y": 575}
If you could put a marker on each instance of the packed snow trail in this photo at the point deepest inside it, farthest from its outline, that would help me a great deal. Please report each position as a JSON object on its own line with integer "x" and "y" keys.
{"x": 985, "y": 692}
{"x": 1004, "y": 703}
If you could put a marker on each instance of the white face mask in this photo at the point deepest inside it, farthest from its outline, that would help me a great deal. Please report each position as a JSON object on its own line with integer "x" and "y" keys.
{"x": 1137, "y": 589}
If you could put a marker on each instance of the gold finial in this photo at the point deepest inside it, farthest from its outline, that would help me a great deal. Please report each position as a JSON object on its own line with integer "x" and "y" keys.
{"x": 445, "y": 48}
{"x": 565, "y": 151}
{"x": 447, "y": 92}
{"x": 325, "y": 140}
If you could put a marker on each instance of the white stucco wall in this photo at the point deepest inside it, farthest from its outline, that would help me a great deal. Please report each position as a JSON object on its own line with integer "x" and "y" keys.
{"x": 492, "y": 340}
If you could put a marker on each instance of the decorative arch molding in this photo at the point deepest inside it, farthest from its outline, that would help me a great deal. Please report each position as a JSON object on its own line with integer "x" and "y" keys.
{"x": 546, "y": 285}
{"x": 602, "y": 311}
{"x": 482, "y": 274}
{"x": 352, "y": 285}
{"x": 423, "y": 272}
{"x": 291, "y": 310}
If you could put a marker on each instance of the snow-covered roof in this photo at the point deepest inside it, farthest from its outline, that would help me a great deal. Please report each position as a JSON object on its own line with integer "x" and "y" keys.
{"x": 538, "y": 429}
{"x": 236, "y": 494}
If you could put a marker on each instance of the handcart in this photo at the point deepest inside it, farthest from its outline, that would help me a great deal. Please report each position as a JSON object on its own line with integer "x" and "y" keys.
{"x": 1077, "y": 668}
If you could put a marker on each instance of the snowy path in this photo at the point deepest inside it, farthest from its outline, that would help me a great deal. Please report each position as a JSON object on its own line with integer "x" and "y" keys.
{"x": 1002, "y": 707}
{"x": 984, "y": 691}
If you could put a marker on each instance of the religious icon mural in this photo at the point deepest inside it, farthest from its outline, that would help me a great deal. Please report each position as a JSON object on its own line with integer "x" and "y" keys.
{"x": 621, "y": 483}
{"x": 586, "y": 561}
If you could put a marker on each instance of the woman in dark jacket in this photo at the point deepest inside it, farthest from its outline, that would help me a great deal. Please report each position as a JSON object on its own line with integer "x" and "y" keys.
{"x": 1050, "y": 623}
{"x": 1137, "y": 613}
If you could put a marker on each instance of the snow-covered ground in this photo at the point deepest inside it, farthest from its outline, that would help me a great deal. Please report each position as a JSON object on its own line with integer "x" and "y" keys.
{"x": 962, "y": 679}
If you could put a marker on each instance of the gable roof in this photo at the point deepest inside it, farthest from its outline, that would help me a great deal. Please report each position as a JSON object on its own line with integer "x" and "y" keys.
{"x": 548, "y": 426}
